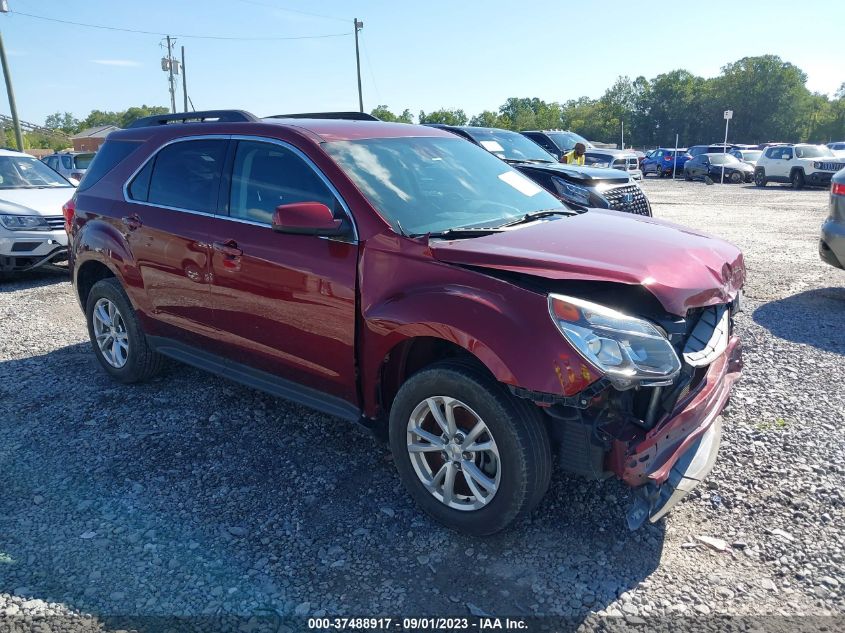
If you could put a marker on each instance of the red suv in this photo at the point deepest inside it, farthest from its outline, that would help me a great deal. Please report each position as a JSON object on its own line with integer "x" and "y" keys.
{"x": 399, "y": 276}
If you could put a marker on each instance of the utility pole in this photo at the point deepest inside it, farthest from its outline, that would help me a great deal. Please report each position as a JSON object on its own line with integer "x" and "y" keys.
{"x": 4, "y": 8}
{"x": 170, "y": 71}
{"x": 184, "y": 81}
{"x": 358, "y": 26}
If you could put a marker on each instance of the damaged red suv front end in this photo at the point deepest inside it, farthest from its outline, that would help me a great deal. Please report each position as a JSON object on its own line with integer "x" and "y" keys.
{"x": 649, "y": 313}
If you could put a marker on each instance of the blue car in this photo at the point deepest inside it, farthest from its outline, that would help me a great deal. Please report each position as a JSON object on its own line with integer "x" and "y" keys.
{"x": 659, "y": 161}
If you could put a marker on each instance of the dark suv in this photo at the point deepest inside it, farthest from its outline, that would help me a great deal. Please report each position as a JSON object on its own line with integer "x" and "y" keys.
{"x": 398, "y": 276}
{"x": 580, "y": 187}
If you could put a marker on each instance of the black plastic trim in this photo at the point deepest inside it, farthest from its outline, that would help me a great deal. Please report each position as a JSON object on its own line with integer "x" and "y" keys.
{"x": 256, "y": 379}
{"x": 218, "y": 116}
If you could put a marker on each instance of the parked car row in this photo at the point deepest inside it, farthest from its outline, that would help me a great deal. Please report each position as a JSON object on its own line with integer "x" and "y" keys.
{"x": 407, "y": 279}
{"x": 69, "y": 164}
{"x": 591, "y": 186}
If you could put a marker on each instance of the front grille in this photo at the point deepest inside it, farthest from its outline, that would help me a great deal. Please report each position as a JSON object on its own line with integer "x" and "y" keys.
{"x": 628, "y": 198}
{"x": 56, "y": 222}
{"x": 832, "y": 166}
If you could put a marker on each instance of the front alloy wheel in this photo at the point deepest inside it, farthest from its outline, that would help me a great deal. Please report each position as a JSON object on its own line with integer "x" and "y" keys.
{"x": 453, "y": 453}
{"x": 473, "y": 456}
{"x": 110, "y": 333}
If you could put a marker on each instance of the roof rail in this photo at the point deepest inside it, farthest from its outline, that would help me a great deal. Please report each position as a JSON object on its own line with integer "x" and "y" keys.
{"x": 349, "y": 116}
{"x": 211, "y": 116}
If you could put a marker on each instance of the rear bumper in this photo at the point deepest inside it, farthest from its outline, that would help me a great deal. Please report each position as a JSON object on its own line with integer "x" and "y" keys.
{"x": 679, "y": 451}
{"x": 832, "y": 244}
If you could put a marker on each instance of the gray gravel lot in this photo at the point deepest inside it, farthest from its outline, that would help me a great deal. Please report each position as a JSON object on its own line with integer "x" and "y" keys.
{"x": 191, "y": 495}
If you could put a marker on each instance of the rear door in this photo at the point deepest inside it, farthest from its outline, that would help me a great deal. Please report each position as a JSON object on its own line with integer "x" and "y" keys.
{"x": 170, "y": 202}
{"x": 284, "y": 304}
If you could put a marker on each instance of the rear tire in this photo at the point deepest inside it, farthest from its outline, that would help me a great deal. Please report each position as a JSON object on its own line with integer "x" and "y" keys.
{"x": 117, "y": 338}
{"x": 687, "y": 176}
{"x": 797, "y": 179}
{"x": 515, "y": 468}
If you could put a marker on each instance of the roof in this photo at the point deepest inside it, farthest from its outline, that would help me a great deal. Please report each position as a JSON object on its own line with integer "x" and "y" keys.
{"x": 9, "y": 152}
{"x": 96, "y": 132}
{"x": 345, "y": 130}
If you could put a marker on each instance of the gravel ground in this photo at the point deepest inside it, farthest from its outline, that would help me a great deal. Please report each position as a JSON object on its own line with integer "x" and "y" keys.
{"x": 194, "y": 496}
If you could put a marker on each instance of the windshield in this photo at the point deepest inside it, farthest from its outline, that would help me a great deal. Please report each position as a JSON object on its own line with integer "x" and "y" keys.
{"x": 751, "y": 155}
{"x": 21, "y": 172}
{"x": 82, "y": 161}
{"x": 509, "y": 145}
{"x": 429, "y": 184}
{"x": 722, "y": 159}
{"x": 813, "y": 151}
{"x": 597, "y": 160}
{"x": 567, "y": 140}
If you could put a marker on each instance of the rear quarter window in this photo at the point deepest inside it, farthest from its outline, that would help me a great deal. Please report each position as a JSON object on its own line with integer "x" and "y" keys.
{"x": 111, "y": 154}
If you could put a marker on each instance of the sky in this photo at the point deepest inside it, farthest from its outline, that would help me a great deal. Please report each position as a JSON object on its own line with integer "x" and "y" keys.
{"x": 416, "y": 55}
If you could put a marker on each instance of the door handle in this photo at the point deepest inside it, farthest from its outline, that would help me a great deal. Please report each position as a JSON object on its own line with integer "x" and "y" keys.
{"x": 132, "y": 222}
{"x": 228, "y": 248}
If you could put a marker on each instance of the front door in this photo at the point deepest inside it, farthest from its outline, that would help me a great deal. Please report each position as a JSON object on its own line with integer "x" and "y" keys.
{"x": 284, "y": 304}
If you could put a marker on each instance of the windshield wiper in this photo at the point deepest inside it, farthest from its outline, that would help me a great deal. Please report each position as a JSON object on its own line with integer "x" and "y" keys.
{"x": 536, "y": 215}
{"x": 460, "y": 233}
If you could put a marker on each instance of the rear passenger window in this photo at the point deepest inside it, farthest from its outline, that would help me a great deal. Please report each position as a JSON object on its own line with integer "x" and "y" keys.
{"x": 266, "y": 175}
{"x": 107, "y": 157}
{"x": 186, "y": 175}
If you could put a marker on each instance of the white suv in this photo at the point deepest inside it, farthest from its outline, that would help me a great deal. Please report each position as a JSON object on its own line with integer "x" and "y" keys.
{"x": 800, "y": 164}
{"x": 32, "y": 226}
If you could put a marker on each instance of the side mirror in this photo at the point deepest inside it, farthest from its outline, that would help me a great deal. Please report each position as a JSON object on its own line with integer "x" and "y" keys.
{"x": 306, "y": 218}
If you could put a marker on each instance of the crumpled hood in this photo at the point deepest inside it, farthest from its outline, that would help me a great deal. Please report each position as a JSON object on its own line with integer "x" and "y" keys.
{"x": 681, "y": 267}
{"x": 44, "y": 202}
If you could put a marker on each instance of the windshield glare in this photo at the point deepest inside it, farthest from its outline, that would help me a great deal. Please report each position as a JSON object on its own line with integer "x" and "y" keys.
{"x": 82, "y": 161}
{"x": 752, "y": 155}
{"x": 813, "y": 151}
{"x": 428, "y": 184}
{"x": 567, "y": 140}
{"x": 510, "y": 145}
{"x": 597, "y": 159}
{"x": 17, "y": 172}
{"x": 722, "y": 159}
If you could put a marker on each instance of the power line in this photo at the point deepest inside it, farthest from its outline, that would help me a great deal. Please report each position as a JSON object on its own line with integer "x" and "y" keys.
{"x": 274, "y": 6}
{"x": 195, "y": 37}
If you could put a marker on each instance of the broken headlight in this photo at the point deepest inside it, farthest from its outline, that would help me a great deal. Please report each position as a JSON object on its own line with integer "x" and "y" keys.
{"x": 628, "y": 350}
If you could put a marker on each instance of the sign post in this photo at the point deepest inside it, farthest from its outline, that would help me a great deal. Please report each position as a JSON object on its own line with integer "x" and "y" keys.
{"x": 729, "y": 114}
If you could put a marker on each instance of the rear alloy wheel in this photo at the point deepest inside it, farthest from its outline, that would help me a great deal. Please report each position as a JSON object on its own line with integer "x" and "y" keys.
{"x": 471, "y": 455}
{"x": 117, "y": 338}
{"x": 797, "y": 179}
{"x": 760, "y": 178}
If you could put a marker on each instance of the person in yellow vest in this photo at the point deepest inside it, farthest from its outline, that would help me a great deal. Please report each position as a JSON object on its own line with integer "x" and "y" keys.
{"x": 576, "y": 156}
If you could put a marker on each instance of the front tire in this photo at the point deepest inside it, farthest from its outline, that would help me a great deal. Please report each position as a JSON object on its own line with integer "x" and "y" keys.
{"x": 472, "y": 456}
{"x": 760, "y": 178}
{"x": 736, "y": 177}
{"x": 117, "y": 338}
{"x": 797, "y": 179}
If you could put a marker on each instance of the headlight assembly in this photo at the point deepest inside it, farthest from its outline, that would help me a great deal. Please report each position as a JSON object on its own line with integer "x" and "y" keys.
{"x": 24, "y": 223}
{"x": 572, "y": 193}
{"x": 628, "y": 350}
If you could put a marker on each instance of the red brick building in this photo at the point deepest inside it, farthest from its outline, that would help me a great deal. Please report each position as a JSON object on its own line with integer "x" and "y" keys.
{"x": 90, "y": 140}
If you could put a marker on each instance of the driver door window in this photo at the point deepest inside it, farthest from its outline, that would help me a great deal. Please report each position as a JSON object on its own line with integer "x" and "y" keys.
{"x": 265, "y": 176}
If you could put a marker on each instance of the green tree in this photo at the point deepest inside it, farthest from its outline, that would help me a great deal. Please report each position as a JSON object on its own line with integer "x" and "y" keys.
{"x": 64, "y": 122}
{"x": 769, "y": 98}
{"x": 137, "y": 112}
{"x": 488, "y": 118}
{"x": 383, "y": 112}
{"x": 444, "y": 116}
{"x": 99, "y": 118}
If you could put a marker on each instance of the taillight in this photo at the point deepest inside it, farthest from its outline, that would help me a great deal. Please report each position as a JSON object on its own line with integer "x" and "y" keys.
{"x": 667, "y": 158}
{"x": 838, "y": 189}
{"x": 69, "y": 210}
